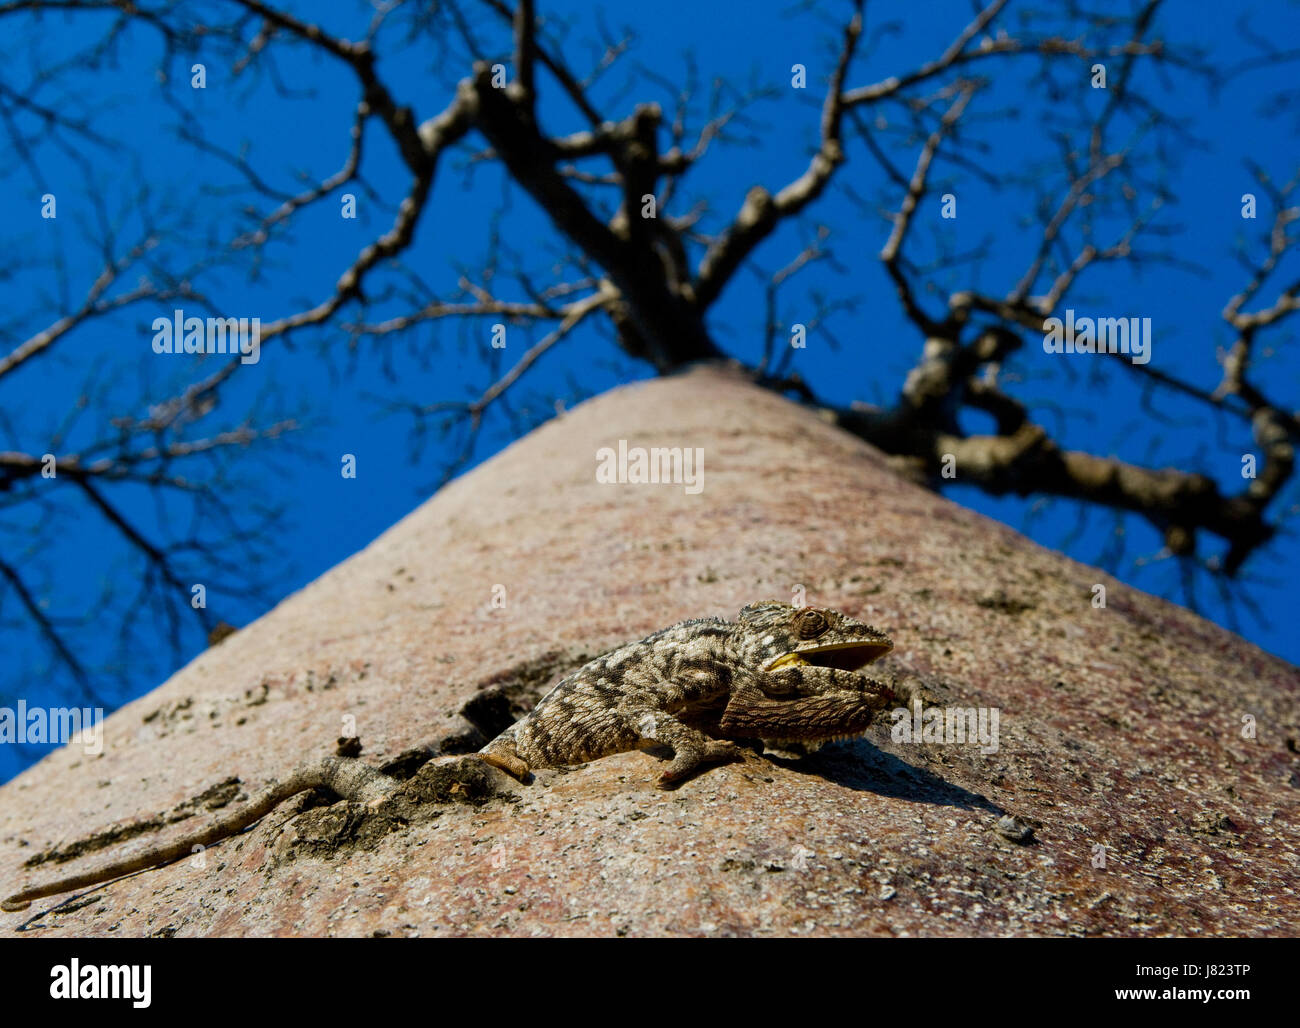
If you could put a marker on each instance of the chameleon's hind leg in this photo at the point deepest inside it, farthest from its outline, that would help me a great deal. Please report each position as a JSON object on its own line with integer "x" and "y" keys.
{"x": 692, "y": 749}
{"x": 501, "y": 753}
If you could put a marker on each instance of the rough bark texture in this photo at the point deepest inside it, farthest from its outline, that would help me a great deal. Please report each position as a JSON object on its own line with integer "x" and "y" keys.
{"x": 1119, "y": 726}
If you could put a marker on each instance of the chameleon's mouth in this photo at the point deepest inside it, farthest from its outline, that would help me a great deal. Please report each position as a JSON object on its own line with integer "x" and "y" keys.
{"x": 852, "y": 656}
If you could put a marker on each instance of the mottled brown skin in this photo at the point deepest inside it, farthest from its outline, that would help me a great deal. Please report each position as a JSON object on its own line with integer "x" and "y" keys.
{"x": 778, "y": 674}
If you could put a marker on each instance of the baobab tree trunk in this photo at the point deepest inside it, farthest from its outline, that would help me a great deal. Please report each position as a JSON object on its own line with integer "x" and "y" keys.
{"x": 1152, "y": 754}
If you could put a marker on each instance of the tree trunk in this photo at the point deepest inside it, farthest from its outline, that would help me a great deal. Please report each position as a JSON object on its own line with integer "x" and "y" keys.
{"x": 1124, "y": 730}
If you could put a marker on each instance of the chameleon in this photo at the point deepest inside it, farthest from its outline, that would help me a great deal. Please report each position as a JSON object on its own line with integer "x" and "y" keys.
{"x": 779, "y": 674}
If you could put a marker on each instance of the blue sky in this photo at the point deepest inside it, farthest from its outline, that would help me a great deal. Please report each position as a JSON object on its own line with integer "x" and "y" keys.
{"x": 344, "y": 395}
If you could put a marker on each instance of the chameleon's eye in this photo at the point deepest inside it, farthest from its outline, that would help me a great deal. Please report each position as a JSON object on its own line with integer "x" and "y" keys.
{"x": 810, "y": 624}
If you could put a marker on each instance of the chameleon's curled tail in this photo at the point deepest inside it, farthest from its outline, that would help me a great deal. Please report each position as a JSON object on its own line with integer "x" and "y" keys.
{"x": 346, "y": 777}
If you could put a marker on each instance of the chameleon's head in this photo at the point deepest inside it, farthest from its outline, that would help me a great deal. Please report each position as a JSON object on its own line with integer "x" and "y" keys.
{"x": 808, "y": 684}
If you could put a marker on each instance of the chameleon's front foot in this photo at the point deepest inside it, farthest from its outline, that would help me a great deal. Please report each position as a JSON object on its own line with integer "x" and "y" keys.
{"x": 688, "y": 761}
